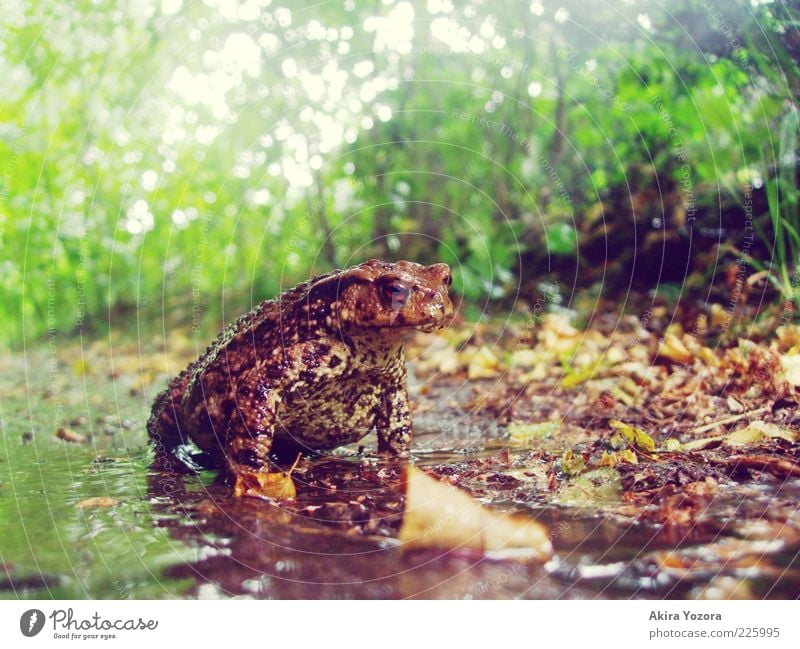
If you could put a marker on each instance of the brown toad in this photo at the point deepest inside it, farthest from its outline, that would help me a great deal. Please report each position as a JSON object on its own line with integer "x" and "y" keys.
{"x": 319, "y": 366}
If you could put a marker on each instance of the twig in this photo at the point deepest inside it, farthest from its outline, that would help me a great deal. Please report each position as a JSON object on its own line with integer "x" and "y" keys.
{"x": 730, "y": 420}
{"x": 294, "y": 466}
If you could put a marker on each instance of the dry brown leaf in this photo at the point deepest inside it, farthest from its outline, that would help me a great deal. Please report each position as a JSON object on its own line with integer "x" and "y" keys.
{"x": 69, "y": 435}
{"x": 97, "y": 503}
{"x": 442, "y": 516}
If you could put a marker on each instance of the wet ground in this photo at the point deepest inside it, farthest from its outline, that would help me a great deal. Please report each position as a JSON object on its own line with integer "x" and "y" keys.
{"x": 84, "y": 516}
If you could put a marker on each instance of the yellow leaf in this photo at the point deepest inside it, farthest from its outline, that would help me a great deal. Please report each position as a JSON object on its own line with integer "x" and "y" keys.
{"x": 744, "y": 436}
{"x": 673, "y": 349}
{"x": 757, "y": 431}
{"x": 707, "y": 355}
{"x": 262, "y": 484}
{"x": 81, "y": 367}
{"x": 442, "y": 516}
{"x": 672, "y": 445}
{"x": 626, "y": 391}
{"x": 719, "y": 316}
{"x": 608, "y": 459}
{"x": 617, "y": 442}
{"x": 674, "y": 329}
{"x": 612, "y": 459}
{"x": 581, "y": 375}
{"x": 483, "y": 364}
{"x": 572, "y": 464}
{"x": 636, "y": 437}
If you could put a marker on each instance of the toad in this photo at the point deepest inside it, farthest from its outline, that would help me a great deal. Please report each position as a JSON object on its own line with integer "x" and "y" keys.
{"x": 319, "y": 366}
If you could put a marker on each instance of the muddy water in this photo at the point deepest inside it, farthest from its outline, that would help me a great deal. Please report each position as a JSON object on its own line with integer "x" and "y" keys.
{"x": 164, "y": 536}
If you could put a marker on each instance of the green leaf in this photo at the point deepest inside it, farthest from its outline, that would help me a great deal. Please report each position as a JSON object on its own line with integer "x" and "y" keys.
{"x": 562, "y": 239}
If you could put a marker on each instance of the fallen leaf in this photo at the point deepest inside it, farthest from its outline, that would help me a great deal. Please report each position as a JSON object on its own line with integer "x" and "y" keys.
{"x": 276, "y": 485}
{"x": 97, "y": 503}
{"x": 758, "y": 431}
{"x": 525, "y": 358}
{"x": 581, "y": 375}
{"x": 627, "y": 391}
{"x": 442, "y": 516}
{"x": 592, "y": 489}
{"x": 744, "y": 436}
{"x": 612, "y": 459}
{"x": 615, "y": 355}
{"x": 726, "y": 587}
{"x": 572, "y": 464}
{"x": 444, "y": 361}
{"x": 522, "y": 433}
{"x": 483, "y": 364}
{"x": 617, "y": 442}
{"x": 788, "y": 336}
{"x": 636, "y": 437}
{"x": 734, "y": 406}
{"x": 719, "y": 316}
{"x": 69, "y": 435}
{"x": 703, "y": 443}
{"x": 672, "y": 348}
{"x": 791, "y": 368}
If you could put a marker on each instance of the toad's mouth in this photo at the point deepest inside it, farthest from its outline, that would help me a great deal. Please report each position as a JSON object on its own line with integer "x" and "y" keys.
{"x": 431, "y": 325}
{"x": 426, "y": 327}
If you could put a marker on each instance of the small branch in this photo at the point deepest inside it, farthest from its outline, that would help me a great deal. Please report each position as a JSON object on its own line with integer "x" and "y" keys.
{"x": 731, "y": 419}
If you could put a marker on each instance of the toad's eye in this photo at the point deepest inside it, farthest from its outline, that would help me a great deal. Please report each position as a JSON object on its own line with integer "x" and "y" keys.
{"x": 395, "y": 293}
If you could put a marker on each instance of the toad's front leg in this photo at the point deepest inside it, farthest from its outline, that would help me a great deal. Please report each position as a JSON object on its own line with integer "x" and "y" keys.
{"x": 393, "y": 416}
{"x": 248, "y": 439}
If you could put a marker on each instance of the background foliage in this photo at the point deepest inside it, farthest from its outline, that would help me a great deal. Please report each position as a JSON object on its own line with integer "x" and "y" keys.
{"x": 175, "y": 161}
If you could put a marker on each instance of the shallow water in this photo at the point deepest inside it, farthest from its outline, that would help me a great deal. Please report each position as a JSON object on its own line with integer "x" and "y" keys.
{"x": 184, "y": 536}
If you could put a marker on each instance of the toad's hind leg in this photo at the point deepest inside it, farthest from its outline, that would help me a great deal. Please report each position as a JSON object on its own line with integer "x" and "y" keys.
{"x": 166, "y": 426}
